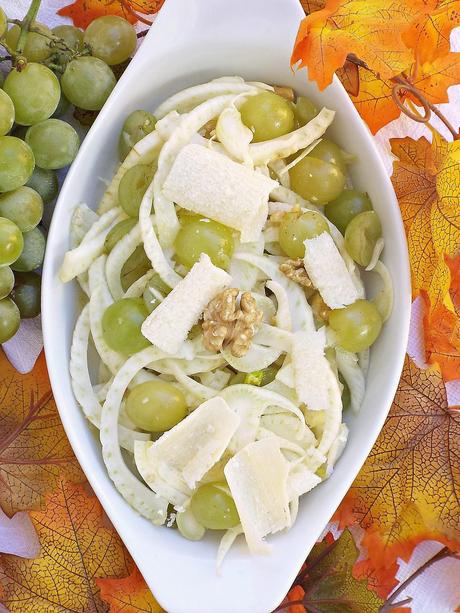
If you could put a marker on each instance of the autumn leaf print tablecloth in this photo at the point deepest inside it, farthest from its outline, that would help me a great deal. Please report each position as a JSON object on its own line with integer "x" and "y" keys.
{"x": 393, "y": 543}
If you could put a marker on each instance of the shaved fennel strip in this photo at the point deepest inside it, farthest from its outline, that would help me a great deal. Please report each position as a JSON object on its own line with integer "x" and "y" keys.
{"x": 350, "y": 370}
{"x": 378, "y": 248}
{"x": 202, "y": 392}
{"x": 165, "y": 212}
{"x": 257, "y": 357}
{"x": 226, "y": 543}
{"x": 383, "y": 300}
{"x": 280, "y": 169}
{"x": 142, "y": 151}
{"x": 117, "y": 258}
{"x": 140, "y": 497}
{"x": 83, "y": 218}
{"x": 283, "y": 314}
{"x": 301, "y": 156}
{"x": 138, "y": 287}
{"x": 160, "y": 263}
{"x": 191, "y": 97}
{"x": 244, "y": 275}
{"x": 289, "y": 199}
{"x": 271, "y": 336}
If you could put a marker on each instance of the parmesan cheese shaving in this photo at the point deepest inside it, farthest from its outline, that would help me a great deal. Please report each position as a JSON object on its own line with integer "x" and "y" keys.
{"x": 260, "y": 494}
{"x": 210, "y": 184}
{"x": 168, "y": 325}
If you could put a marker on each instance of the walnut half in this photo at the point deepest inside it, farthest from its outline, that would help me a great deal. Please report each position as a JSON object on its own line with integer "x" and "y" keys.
{"x": 229, "y": 324}
{"x": 295, "y": 270}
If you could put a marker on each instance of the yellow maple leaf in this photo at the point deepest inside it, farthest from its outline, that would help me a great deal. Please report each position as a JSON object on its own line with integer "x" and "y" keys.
{"x": 409, "y": 488}
{"x": 128, "y": 594}
{"x": 34, "y": 451}
{"x": 78, "y": 546}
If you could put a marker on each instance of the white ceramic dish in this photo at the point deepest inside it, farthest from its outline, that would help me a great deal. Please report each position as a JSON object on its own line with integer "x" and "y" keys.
{"x": 191, "y": 42}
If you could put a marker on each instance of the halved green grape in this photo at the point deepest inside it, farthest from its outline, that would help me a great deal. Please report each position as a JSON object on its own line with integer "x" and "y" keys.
{"x": 54, "y": 143}
{"x": 214, "y": 508}
{"x": 87, "y": 82}
{"x": 136, "y": 126}
{"x": 35, "y": 93}
{"x": 118, "y": 231}
{"x": 295, "y": 229}
{"x": 135, "y": 266}
{"x": 316, "y": 180}
{"x": 156, "y": 406}
{"x": 304, "y": 110}
{"x": 37, "y": 47}
{"x": 45, "y": 182}
{"x": 73, "y": 37}
{"x": 6, "y": 281}
{"x": 3, "y": 22}
{"x": 268, "y": 116}
{"x": 33, "y": 252}
{"x": 9, "y": 319}
{"x": 356, "y": 326}
{"x": 199, "y": 235}
{"x": 16, "y": 163}
{"x": 62, "y": 107}
{"x": 121, "y": 325}
{"x": 11, "y": 242}
{"x": 133, "y": 186}
{"x": 24, "y": 206}
{"x": 111, "y": 38}
{"x": 6, "y": 113}
{"x": 344, "y": 208}
{"x": 328, "y": 151}
{"x": 26, "y": 294}
{"x": 361, "y": 235}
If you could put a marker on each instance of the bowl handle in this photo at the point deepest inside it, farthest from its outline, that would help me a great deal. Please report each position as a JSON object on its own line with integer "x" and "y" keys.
{"x": 182, "y": 22}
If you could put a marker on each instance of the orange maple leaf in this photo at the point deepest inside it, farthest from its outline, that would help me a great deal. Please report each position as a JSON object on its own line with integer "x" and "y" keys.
{"x": 429, "y": 33}
{"x": 409, "y": 488}
{"x": 454, "y": 291}
{"x": 78, "y": 546}
{"x": 34, "y": 451}
{"x": 82, "y": 12}
{"x": 371, "y": 30}
{"x": 129, "y": 594}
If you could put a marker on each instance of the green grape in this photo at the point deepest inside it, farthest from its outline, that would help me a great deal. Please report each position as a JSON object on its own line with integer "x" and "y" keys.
{"x": 16, "y": 163}
{"x": 328, "y": 151}
{"x": 133, "y": 186}
{"x": 111, "y": 38}
{"x": 2, "y": 78}
{"x": 121, "y": 325}
{"x": 26, "y": 294}
{"x": 304, "y": 110}
{"x": 295, "y": 229}
{"x": 156, "y": 406}
{"x": 118, "y": 231}
{"x": 316, "y": 180}
{"x": 6, "y": 113}
{"x": 137, "y": 125}
{"x": 356, "y": 326}
{"x": 361, "y": 235}
{"x": 87, "y": 82}
{"x": 35, "y": 93}
{"x": 37, "y": 47}
{"x": 24, "y": 206}
{"x": 73, "y": 37}
{"x": 214, "y": 508}
{"x": 54, "y": 143}
{"x": 268, "y": 116}
{"x": 45, "y": 182}
{"x": 62, "y": 107}
{"x": 9, "y": 319}
{"x": 344, "y": 208}
{"x": 199, "y": 235}
{"x": 135, "y": 267}
{"x": 6, "y": 281}
{"x": 3, "y": 22}
{"x": 33, "y": 252}
{"x": 11, "y": 242}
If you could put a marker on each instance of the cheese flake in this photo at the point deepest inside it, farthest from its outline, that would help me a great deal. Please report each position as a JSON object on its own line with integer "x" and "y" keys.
{"x": 209, "y": 183}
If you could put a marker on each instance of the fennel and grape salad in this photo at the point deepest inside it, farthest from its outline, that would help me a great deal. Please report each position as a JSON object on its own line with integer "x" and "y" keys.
{"x": 224, "y": 280}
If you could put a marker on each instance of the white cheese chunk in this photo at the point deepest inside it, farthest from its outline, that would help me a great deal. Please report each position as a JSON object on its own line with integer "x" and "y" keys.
{"x": 174, "y": 463}
{"x": 328, "y": 272}
{"x": 257, "y": 476}
{"x": 313, "y": 376}
{"x": 208, "y": 183}
{"x": 168, "y": 325}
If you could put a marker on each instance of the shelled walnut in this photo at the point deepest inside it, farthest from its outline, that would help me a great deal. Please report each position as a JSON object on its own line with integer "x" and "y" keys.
{"x": 228, "y": 323}
{"x": 295, "y": 270}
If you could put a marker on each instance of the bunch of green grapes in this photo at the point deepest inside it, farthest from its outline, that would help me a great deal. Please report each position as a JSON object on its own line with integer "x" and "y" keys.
{"x": 49, "y": 71}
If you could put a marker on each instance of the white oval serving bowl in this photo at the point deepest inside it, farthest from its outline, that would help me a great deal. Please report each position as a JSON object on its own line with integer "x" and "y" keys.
{"x": 191, "y": 42}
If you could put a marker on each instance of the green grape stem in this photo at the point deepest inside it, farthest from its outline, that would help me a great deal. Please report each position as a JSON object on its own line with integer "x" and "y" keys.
{"x": 25, "y": 25}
